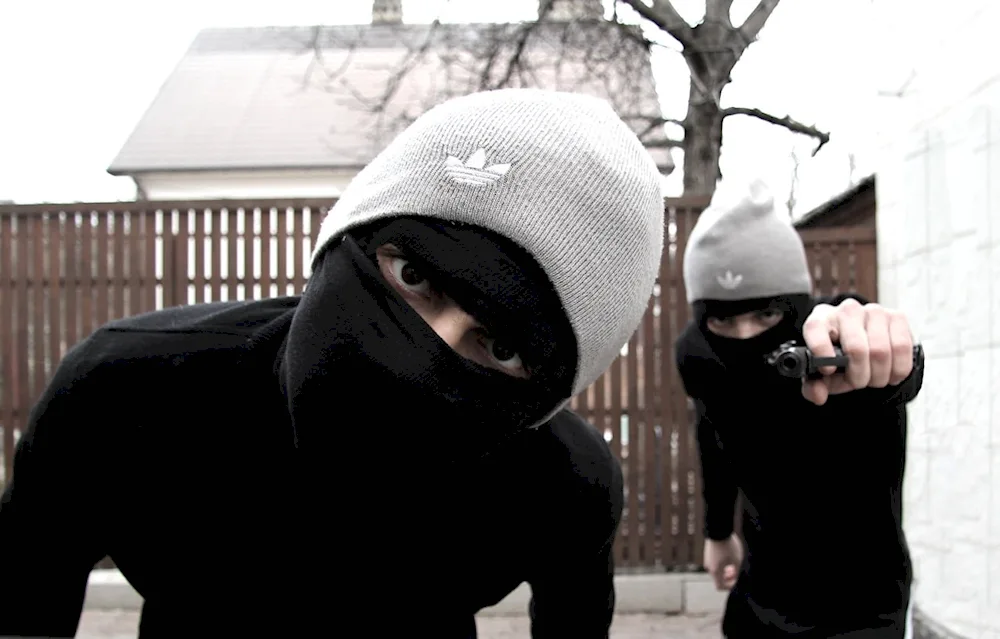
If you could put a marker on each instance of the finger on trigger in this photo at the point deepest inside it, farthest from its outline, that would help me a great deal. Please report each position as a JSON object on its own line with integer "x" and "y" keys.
{"x": 880, "y": 354}
{"x": 819, "y": 332}
{"x": 902, "y": 348}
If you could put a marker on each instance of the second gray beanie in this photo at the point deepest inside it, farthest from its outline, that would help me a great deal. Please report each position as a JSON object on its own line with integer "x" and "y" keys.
{"x": 743, "y": 248}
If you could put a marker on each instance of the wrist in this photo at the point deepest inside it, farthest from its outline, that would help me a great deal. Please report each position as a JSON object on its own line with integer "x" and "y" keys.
{"x": 718, "y": 533}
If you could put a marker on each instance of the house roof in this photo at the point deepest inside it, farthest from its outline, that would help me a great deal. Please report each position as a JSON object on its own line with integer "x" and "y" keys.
{"x": 254, "y": 98}
{"x": 852, "y": 207}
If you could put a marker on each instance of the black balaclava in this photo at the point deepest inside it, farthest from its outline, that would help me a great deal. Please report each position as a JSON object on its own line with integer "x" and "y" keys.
{"x": 358, "y": 356}
{"x": 748, "y": 356}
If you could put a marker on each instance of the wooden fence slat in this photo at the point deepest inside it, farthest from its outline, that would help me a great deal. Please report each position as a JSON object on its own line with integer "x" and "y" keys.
{"x": 282, "y": 275}
{"x": 648, "y": 394}
{"x": 54, "y": 292}
{"x": 71, "y": 261}
{"x": 199, "y": 255}
{"x": 298, "y": 270}
{"x": 38, "y": 307}
{"x": 102, "y": 284}
{"x": 22, "y": 389}
{"x": 615, "y": 423}
{"x": 181, "y": 272}
{"x": 866, "y": 273}
{"x": 630, "y": 545}
{"x": 216, "y": 248}
{"x": 232, "y": 255}
{"x": 8, "y": 355}
{"x": 598, "y": 411}
{"x": 86, "y": 273}
{"x": 149, "y": 262}
{"x": 243, "y": 251}
{"x": 265, "y": 238}
{"x": 842, "y": 268}
{"x": 135, "y": 260}
{"x": 119, "y": 241}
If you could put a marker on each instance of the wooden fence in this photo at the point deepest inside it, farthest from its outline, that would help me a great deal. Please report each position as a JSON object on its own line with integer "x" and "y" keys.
{"x": 67, "y": 269}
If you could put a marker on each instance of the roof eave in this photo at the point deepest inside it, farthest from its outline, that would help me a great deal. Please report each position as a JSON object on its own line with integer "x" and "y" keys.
{"x": 131, "y": 171}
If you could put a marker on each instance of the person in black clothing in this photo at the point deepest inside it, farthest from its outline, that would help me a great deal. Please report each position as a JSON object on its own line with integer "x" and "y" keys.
{"x": 389, "y": 452}
{"x": 818, "y": 464}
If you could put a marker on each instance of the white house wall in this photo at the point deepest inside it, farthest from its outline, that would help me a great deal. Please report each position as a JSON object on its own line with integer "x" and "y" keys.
{"x": 244, "y": 184}
{"x": 938, "y": 192}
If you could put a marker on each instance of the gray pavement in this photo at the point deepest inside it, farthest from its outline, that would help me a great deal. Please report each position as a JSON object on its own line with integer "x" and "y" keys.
{"x": 121, "y": 624}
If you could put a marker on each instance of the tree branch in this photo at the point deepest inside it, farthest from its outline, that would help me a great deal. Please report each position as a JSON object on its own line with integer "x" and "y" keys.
{"x": 665, "y": 17}
{"x": 663, "y": 143}
{"x": 514, "y": 61}
{"x": 751, "y": 27}
{"x": 718, "y": 11}
{"x": 787, "y": 122}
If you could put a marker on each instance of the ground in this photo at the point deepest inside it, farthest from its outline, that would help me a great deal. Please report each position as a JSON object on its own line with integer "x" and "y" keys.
{"x": 99, "y": 624}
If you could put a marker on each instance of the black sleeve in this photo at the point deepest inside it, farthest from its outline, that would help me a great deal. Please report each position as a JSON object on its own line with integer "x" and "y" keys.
{"x": 719, "y": 488}
{"x": 49, "y": 519}
{"x": 572, "y": 588}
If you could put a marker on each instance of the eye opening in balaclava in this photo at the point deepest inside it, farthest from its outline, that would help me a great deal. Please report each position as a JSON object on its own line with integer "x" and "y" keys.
{"x": 495, "y": 281}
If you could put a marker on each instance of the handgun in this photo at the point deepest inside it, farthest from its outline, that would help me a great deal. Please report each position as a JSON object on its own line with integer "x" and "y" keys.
{"x": 792, "y": 360}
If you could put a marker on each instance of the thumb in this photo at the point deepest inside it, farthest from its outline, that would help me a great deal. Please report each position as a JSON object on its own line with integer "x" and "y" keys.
{"x": 729, "y": 575}
{"x": 718, "y": 576}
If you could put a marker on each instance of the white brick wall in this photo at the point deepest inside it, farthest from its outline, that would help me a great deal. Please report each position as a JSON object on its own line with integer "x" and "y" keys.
{"x": 939, "y": 259}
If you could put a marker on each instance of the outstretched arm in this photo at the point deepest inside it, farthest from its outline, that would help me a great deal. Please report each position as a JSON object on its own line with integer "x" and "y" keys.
{"x": 719, "y": 490}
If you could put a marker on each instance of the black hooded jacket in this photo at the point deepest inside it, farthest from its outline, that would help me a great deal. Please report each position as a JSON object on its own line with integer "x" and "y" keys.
{"x": 238, "y": 494}
{"x": 820, "y": 488}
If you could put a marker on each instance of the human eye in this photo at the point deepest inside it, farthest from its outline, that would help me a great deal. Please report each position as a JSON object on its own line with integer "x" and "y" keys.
{"x": 770, "y": 314}
{"x": 504, "y": 355}
{"x": 719, "y": 322}
{"x": 409, "y": 276}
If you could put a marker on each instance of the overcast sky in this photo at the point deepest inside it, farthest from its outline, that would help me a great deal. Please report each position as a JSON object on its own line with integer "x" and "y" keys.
{"x": 76, "y": 76}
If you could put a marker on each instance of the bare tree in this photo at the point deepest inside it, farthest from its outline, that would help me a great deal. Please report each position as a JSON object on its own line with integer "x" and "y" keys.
{"x": 711, "y": 50}
{"x": 573, "y": 50}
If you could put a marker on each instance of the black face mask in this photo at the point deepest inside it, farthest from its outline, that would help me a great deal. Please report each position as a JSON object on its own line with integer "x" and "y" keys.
{"x": 747, "y": 357}
{"x": 359, "y": 358}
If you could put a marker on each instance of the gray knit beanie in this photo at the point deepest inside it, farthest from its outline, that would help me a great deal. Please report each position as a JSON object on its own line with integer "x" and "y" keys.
{"x": 743, "y": 248}
{"x": 560, "y": 174}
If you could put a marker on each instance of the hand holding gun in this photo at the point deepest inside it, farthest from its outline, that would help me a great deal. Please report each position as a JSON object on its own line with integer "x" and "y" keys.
{"x": 792, "y": 360}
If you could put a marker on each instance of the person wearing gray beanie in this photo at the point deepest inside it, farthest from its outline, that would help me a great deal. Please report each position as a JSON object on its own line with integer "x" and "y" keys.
{"x": 783, "y": 444}
{"x": 395, "y": 436}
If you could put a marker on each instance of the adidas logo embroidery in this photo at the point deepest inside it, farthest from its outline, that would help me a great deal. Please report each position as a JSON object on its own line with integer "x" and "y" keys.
{"x": 729, "y": 281}
{"x": 474, "y": 171}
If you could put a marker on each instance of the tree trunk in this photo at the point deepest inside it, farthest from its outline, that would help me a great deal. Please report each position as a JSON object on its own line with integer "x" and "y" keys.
{"x": 702, "y": 144}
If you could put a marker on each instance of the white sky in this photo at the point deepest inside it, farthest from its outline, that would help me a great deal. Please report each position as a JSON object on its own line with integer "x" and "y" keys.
{"x": 75, "y": 77}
